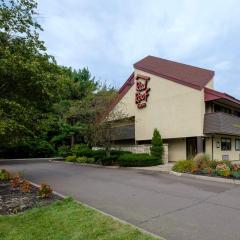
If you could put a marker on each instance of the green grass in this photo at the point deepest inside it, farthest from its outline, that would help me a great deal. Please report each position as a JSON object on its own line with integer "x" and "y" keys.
{"x": 66, "y": 220}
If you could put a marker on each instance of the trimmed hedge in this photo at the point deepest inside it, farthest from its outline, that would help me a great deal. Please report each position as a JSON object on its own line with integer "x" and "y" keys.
{"x": 85, "y": 160}
{"x": 137, "y": 160}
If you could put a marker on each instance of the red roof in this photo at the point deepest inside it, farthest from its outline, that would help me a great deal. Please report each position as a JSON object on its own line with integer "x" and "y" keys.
{"x": 187, "y": 75}
{"x": 210, "y": 95}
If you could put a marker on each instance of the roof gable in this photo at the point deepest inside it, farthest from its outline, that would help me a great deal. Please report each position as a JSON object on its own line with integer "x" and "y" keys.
{"x": 187, "y": 75}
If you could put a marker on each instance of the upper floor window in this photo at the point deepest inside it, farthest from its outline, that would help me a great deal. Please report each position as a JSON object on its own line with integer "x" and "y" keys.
{"x": 218, "y": 108}
{"x": 237, "y": 144}
{"x": 225, "y": 144}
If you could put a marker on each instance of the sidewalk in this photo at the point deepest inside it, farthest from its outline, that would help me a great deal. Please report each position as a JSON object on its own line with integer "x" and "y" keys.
{"x": 159, "y": 168}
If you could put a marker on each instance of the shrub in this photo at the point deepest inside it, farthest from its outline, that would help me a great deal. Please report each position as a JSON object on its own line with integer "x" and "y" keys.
{"x": 111, "y": 160}
{"x": 184, "y": 166}
{"x": 44, "y": 191}
{"x": 15, "y": 181}
{"x": 119, "y": 152}
{"x": 157, "y": 145}
{"x": 207, "y": 170}
{"x": 137, "y": 160}
{"x": 213, "y": 164}
{"x": 223, "y": 170}
{"x": 235, "y": 175}
{"x": 202, "y": 160}
{"x": 98, "y": 154}
{"x": 226, "y": 162}
{"x": 25, "y": 187}
{"x": 4, "y": 174}
{"x": 85, "y": 160}
{"x": 71, "y": 158}
{"x": 77, "y": 149}
{"x": 63, "y": 151}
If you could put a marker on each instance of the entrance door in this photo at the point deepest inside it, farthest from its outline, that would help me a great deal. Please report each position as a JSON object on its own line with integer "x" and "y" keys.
{"x": 191, "y": 147}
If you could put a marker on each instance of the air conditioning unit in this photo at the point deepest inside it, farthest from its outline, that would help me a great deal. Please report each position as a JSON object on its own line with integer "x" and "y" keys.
{"x": 225, "y": 157}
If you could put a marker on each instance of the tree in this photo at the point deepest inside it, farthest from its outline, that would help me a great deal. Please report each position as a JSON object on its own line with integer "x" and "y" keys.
{"x": 105, "y": 119}
{"x": 157, "y": 148}
{"x": 29, "y": 77}
{"x": 73, "y": 109}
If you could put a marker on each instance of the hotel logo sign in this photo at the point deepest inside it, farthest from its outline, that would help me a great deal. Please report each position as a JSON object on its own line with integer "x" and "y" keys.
{"x": 142, "y": 91}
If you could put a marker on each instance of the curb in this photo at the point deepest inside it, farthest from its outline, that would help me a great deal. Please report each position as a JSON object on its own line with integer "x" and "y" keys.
{"x": 86, "y": 164}
{"x": 104, "y": 213}
{"x": 29, "y": 159}
{"x": 110, "y": 167}
{"x": 206, "y": 178}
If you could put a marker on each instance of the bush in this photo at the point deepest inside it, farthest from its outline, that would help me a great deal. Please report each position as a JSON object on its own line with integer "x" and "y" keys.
{"x": 98, "y": 154}
{"x": 63, "y": 151}
{"x": 108, "y": 161}
{"x": 85, "y": 160}
{"x": 157, "y": 145}
{"x": 202, "y": 160}
{"x": 119, "y": 152}
{"x": 70, "y": 159}
{"x": 44, "y": 191}
{"x": 213, "y": 164}
{"x": 184, "y": 166}
{"x": 77, "y": 149}
{"x": 223, "y": 170}
{"x": 235, "y": 174}
{"x": 4, "y": 174}
{"x": 137, "y": 160}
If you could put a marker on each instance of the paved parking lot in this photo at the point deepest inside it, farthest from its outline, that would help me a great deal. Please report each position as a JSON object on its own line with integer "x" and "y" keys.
{"x": 176, "y": 208}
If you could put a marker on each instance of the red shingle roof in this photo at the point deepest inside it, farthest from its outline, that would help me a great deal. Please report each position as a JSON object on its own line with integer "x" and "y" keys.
{"x": 180, "y": 73}
{"x": 210, "y": 95}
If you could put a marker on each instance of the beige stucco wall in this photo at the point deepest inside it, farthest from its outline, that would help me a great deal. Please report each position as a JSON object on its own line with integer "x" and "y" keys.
{"x": 176, "y": 110}
{"x": 126, "y": 106}
{"x": 177, "y": 149}
{"x": 210, "y": 84}
{"x": 217, "y": 154}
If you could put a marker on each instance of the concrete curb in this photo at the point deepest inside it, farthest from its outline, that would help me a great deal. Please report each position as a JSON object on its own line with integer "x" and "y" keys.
{"x": 111, "y": 167}
{"x": 29, "y": 159}
{"x": 206, "y": 178}
{"x": 86, "y": 164}
{"x": 104, "y": 213}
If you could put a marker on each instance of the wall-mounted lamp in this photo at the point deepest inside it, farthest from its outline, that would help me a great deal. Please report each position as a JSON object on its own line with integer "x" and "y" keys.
{"x": 218, "y": 144}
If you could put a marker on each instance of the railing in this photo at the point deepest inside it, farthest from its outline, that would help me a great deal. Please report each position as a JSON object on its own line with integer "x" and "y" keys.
{"x": 123, "y": 132}
{"x": 222, "y": 123}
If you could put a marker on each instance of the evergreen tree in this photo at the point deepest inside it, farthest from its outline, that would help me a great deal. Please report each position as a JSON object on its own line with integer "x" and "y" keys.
{"x": 157, "y": 145}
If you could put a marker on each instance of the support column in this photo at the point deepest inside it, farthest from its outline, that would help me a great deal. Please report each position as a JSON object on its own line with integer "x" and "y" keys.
{"x": 199, "y": 145}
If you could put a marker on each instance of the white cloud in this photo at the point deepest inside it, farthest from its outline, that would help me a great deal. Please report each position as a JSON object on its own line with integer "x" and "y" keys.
{"x": 109, "y": 36}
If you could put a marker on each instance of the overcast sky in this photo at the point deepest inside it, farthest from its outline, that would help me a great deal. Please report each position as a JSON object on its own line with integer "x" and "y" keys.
{"x": 108, "y": 36}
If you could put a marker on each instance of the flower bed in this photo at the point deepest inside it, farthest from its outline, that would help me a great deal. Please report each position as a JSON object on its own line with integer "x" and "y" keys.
{"x": 18, "y": 195}
{"x": 202, "y": 165}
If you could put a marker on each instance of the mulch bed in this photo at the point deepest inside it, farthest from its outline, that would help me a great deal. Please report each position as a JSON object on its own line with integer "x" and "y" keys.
{"x": 13, "y": 201}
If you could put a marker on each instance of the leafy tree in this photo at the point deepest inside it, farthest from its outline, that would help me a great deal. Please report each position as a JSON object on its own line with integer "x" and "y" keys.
{"x": 157, "y": 148}
{"x": 28, "y": 76}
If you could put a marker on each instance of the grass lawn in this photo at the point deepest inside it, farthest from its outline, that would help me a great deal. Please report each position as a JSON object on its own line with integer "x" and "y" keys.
{"x": 65, "y": 220}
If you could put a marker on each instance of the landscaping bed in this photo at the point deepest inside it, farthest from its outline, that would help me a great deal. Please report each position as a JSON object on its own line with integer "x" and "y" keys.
{"x": 18, "y": 195}
{"x": 202, "y": 165}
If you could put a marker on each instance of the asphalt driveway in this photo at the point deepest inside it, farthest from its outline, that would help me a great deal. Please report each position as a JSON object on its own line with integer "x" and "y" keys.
{"x": 174, "y": 207}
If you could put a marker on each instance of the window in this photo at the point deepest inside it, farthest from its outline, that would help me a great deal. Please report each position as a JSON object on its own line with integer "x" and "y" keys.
{"x": 226, "y": 144}
{"x": 237, "y": 144}
{"x": 218, "y": 108}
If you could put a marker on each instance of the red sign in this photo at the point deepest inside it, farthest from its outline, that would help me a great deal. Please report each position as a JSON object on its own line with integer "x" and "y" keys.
{"x": 142, "y": 91}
